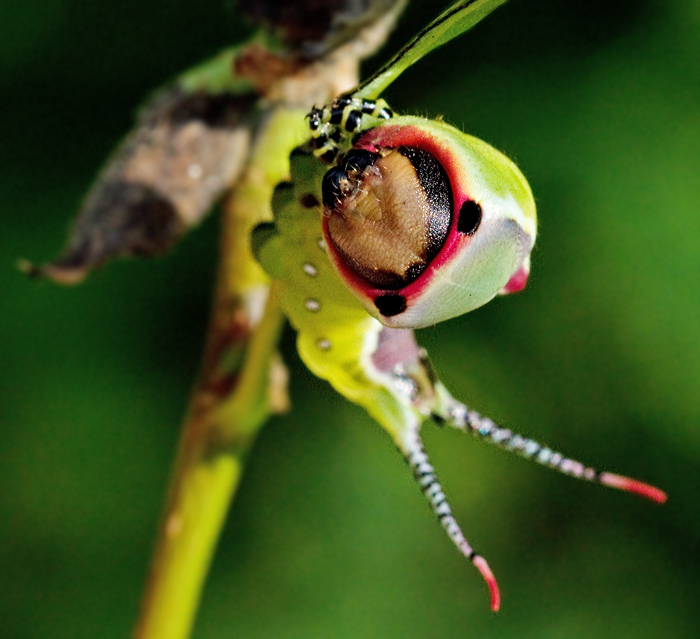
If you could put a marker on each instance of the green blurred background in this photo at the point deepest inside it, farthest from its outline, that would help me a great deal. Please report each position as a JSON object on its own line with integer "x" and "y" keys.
{"x": 599, "y": 103}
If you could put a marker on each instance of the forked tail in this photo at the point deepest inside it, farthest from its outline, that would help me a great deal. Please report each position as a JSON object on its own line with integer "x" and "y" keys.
{"x": 414, "y": 381}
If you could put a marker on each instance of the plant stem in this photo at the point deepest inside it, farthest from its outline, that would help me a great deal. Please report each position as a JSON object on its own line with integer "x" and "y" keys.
{"x": 242, "y": 381}
{"x": 239, "y": 387}
{"x": 206, "y": 476}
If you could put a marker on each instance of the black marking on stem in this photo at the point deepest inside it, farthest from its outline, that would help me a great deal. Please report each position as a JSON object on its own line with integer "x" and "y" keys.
{"x": 319, "y": 141}
{"x": 336, "y": 115}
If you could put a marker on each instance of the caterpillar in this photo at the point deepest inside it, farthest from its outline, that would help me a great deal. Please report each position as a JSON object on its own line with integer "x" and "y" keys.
{"x": 395, "y": 222}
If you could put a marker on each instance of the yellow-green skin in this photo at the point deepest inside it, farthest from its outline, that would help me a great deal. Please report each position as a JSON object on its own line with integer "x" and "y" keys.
{"x": 336, "y": 336}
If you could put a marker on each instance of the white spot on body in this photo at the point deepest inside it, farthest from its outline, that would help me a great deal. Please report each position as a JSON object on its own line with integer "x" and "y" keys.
{"x": 310, "y": 270}
{"x": 313, "y": 305}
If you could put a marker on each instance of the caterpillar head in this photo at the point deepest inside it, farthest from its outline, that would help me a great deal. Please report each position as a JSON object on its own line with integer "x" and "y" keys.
{"x": 424, "y": 223}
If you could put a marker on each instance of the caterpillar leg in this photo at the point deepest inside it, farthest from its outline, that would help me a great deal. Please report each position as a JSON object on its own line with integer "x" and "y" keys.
{"x": 459, "y": 416}
{"x": 413, "y": 451}
{"x": 336, "y": 123}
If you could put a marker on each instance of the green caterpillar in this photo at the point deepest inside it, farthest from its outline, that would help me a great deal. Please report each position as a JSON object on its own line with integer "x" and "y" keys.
{"x": 414, "y": 222}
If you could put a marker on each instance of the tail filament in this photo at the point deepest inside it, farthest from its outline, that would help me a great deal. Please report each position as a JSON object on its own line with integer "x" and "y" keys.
{"x": 425, "y": 475}
{"x": 472, "y": 422}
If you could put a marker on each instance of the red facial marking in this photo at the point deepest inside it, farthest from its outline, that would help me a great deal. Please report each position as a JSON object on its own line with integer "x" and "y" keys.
{"x": 388, "y": 136}
{"x": 517, "y": 282}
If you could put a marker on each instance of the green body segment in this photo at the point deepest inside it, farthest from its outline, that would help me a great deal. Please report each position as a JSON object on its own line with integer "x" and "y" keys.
{"x": 336, "y": 336}
{"x": 337, "y": 333}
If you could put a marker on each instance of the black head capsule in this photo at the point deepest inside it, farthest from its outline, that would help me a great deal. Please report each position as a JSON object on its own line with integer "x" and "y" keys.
{"x": 331, "y": 187}
{"x": 340, "y": 181}
{"x": 358, "y": 160}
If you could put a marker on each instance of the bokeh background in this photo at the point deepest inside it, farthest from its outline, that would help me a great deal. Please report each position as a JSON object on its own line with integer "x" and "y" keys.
{"x": 599, "y": 103}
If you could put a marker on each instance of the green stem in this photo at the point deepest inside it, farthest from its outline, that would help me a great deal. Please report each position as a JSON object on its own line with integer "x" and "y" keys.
{"x": 236, "y": 393}
{"x": 206, "y": 477}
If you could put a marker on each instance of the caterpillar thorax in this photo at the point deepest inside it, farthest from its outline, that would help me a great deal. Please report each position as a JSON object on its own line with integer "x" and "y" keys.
{"x": 336, "y": 337}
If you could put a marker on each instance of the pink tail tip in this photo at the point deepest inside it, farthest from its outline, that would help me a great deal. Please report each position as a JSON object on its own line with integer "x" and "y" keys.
{"x": 490, "y": 580}
{"x": 633, "y": 486}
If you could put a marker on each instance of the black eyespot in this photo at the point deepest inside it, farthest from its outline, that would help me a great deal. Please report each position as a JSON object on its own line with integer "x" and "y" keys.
{"x": 390, "y": 305}
{"x": 309, "y": 201}
{"x": 469, "y": 217}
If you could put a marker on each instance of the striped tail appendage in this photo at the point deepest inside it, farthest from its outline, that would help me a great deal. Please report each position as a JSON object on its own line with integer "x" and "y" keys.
{"x": 412, "y": 449}
{"x": 469, "y": 421}
{"x": 415, "y": 379}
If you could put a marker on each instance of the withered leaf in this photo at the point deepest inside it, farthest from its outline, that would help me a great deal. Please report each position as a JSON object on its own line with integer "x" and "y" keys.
{"x": 185, "y": 152}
